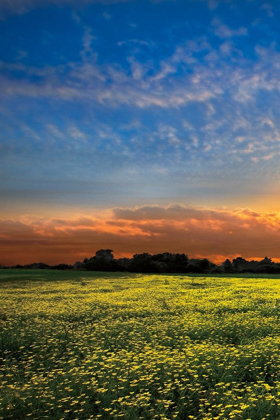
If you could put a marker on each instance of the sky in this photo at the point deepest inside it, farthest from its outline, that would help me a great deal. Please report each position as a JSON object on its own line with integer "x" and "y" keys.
{"x": 139, "y": 126}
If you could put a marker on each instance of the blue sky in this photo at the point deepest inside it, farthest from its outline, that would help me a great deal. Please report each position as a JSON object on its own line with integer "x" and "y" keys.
{"x": 108, "y": 104}
{"x": 111, "y": 103}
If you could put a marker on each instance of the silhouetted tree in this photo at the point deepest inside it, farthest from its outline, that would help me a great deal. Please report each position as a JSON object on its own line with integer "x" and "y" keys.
{"x": 103, "y": 261}
{"x": 105, "y": 254}
{"x": 143, "y": 263}
{"x": 227, "y": 266}
{"x": 266, "y": 260}
{"x": 240, "y": 264}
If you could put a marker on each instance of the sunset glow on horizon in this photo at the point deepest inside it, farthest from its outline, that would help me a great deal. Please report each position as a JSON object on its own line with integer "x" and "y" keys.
{"x": 139, "y": 126}
{"x": 210, "y": 233}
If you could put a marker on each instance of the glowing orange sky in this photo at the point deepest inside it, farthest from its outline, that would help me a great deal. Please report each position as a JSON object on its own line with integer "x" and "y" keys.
{"x": 202, "y": 232}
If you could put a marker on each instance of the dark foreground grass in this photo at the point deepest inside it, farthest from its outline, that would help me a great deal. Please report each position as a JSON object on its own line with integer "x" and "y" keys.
{"x": 83, "y": 345}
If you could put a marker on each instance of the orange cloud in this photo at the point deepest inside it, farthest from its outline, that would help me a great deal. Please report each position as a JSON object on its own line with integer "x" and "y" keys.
{"x": 214, "y": 233}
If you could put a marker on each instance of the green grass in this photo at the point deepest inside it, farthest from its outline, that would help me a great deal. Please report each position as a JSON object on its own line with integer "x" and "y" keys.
{"x": 81, "y": 345}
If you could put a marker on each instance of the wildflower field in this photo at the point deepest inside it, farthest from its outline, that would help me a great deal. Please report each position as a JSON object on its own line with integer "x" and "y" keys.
{"x": 85, "y": 345}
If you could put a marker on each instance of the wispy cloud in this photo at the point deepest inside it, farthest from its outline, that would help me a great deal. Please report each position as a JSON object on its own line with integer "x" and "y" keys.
{"x": 87, "y": 41}
{"x": 77, "y": 134}
{"x": 223, "y": 31}
{"x": 268, "y": 7}
{"x": 147, "y": 86}
{"x": 111, "y": 85}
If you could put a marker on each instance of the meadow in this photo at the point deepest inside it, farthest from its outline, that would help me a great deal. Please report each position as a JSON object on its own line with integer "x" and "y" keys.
{"x": 89, "y": 345}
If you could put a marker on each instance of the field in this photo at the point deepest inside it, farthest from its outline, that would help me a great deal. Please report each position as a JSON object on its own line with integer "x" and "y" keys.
{"x": 85, "y": 345}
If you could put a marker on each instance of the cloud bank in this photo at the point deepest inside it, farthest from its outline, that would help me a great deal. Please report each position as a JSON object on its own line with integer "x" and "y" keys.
{"x": 214, "y": 233}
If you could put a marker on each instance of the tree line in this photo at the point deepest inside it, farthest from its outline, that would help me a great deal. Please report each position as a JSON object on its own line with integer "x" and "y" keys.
{"x": 166, "y": 262}
{"x": 175, "y": 263}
